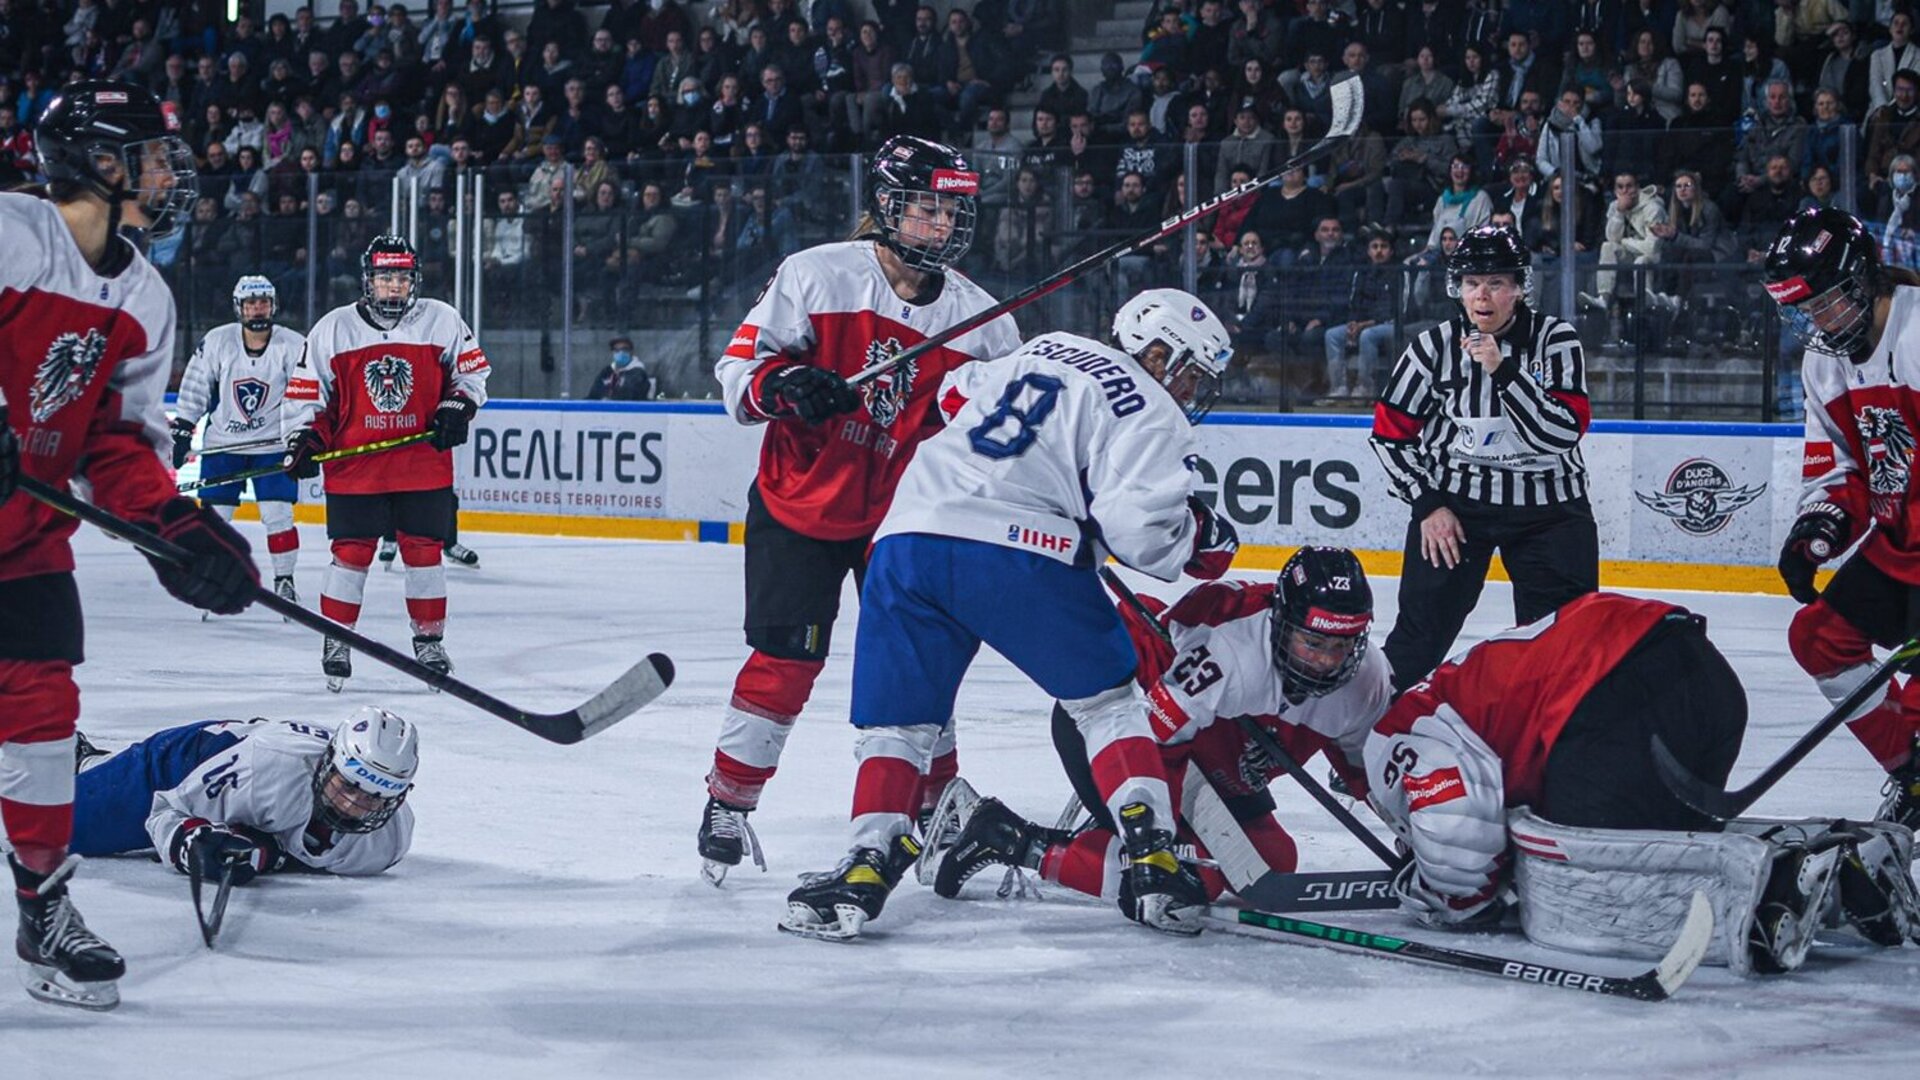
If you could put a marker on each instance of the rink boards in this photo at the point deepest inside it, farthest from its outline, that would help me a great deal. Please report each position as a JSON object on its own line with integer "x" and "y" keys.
{"x": 1679, "y": 505}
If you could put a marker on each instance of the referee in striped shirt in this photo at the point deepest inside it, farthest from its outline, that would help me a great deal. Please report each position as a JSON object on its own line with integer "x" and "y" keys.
{"x": 1479, "y": 429}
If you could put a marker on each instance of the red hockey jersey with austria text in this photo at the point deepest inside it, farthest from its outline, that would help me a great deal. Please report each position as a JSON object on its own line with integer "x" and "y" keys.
{"x": 84, "y": 361}
{"x": 359, "y": 383}
{"x": 831, "y": 306}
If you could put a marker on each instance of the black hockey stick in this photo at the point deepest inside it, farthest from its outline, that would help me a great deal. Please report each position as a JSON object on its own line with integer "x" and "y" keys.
{"x": 642, "y": 683}
{"x": 1709, "y": 799}
{"x": 1656, "y": 984}
{"x": 1348, "y": 101}
{"x": 1269, "y": 745}
{"x": 1327, "y": 890}
{"x": 210, "y": 921}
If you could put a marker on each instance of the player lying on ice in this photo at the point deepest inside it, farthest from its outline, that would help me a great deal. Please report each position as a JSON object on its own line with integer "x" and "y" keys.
{"x": 263, "y": 795}
{"x": 1052, "y": 457}
{"x": 1291, "y": 656}
{"x": 1521, "y": 773}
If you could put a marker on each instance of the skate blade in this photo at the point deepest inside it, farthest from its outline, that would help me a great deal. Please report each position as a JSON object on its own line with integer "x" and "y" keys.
{"x": 47, "y": 984}
{"x": 949, "y": 819}
{"x": 713, "y": 873}
{"x": 803, "y": 921}
{"x": 335, "y": 683}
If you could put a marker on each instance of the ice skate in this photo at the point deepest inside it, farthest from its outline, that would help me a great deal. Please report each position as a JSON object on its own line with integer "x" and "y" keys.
{"x": 84, "y": 752}
{"x": 992, "y": 836}
{"x": 65, "y": 963}
{"x": 336, "y": 663}
{"x": 1901, "y": 804}
{"x": 430, "y": 652}
{"x": 1156, "y": 890}
{"x": 1873, "y": 884}
{"x": 462, "y": 555}
{"x": 940, "y": 826}
{"x": 1791, "y": 908}
{"x": 724, "y": 837}
{"x": 283, "y": 588}
{"x": 836, "y": 906}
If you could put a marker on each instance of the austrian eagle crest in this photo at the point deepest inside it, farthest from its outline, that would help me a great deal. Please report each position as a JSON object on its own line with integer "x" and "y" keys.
{"x": 1889, "y": 450}
{"x": 887, "y": 393}
{"x": 66, "y": 372}
{"x": 389, "y": 383}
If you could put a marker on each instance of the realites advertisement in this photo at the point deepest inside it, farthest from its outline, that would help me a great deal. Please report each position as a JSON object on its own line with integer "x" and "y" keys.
{"x": 1705, "y": 493}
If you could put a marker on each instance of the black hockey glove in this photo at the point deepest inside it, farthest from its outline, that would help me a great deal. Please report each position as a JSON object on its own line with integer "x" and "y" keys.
{"x": 1818, "y": 534}
{"x": 448, "y": 428}
{"x": 220, "y": 575}
{"x": 210, "y": 847}
{"x": 302, "y": 445}
{"x": 9, "y": 455}
{"x": 810, "y": 393}
{"x": 1214, "y": 543}
{"x": 182, "y": 440}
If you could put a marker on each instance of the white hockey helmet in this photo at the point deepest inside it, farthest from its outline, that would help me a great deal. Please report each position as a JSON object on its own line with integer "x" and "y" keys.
{"x": 255, "y": 287}
{"x": 1198, "y": 346}
{"x": 366, "y": 772}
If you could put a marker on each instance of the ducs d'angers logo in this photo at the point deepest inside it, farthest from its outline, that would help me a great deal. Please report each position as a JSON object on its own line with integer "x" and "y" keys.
{"x": 1700, "y": 497}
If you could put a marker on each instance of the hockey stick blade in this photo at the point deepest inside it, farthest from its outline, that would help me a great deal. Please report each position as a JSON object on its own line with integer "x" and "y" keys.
{"x": 1331, "y": 890}
{"x": 1656, "y": 984}
{"x": 1711, "y": 800}
{"x": 640, "y": 685}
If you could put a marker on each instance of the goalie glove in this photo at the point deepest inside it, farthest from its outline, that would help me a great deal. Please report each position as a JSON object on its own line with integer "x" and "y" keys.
{"x": 810, "y": 393}
{"x": 1443, "y": 911}
{"x": 1818, "y": 534}
{"x": 1214, "y": 542}
{"x": 182, "y": 439}
{"x": 199, "y": 843}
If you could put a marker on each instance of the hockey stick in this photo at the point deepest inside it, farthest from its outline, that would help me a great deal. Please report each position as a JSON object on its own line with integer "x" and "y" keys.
{"x": 1268, "y": 744}
{"x": 241, "y": 448}
{"x": 1348, "y": 100}
{"x": 1709, "y": 799}
{"x": 1259, "y": 885}
{"x": 210, "y": 923}
{"x": 328, "y": 455}
{"x": 1656, "y": 984}
{"x": 642, "y": 683}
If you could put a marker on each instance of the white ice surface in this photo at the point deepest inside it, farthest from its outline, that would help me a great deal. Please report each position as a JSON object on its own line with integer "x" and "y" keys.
{"x": 551, "y": 921}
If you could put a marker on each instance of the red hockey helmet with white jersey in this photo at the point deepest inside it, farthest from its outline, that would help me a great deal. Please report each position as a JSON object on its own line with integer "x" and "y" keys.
{"x": 1825, "y": 267}
{"x": 366, "y": 772}
{"x": 1322, "y": 608}
{"x": 922, "y": 195}
{"x": 392, "y": 260}
{"x": 122, "y": 143}
{"x": 1197, "y": 342}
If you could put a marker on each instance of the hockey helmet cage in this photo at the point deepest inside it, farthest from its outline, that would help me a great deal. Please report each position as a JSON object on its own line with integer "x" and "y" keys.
{"x": 367, "y": 771}
{"x": 1322, "y": 608}
{"x": 1489, "y": 249}
{"x": 911, "y": 173}
{"x": 95, "y": 125}
{"x": 1197, "y": 342}
{"x": 389, "y": 254}
{"x": 1824, "y": 268}
{"x": 255, "y": 287}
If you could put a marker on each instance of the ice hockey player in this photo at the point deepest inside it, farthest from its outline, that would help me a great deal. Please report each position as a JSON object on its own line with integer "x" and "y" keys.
{"x": 86, "y": 346}
{"x": 236, "y": 380}
{"x": 1052, "y": 457}
{"x": 390, "y": 365}
{"x": 265, "y": 795}
{"x": 832, "y": 454}
{"x": 1526, "y": 763}
{"x": 1292, "y": 657}
{"x": 1862, "y": 377}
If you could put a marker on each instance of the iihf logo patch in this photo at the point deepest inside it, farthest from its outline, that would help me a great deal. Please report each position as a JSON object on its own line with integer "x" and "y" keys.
{"x": 66, "y": 373}
{"x": 389, "y": 383}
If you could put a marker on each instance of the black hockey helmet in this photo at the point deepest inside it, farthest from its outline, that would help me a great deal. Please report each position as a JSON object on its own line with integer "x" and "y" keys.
{"x": 1489, "y": 249}
{"x": 1322, "y": 608}
{"x": 96, "y": 125}
{"x": 1824, "y": 267}
{"x": 389, "y": 254}
{"x": 910, "y": 171}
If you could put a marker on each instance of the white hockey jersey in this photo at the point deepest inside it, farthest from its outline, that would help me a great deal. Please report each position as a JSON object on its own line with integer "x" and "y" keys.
{"x": 1060, "y": 448}
{"x": 238, "y": 393}
{"x": 265, "y": 782}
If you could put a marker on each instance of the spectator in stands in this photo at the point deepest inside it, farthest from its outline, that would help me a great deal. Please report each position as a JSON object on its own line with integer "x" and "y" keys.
{"x": 1285, "y": 216}
{"x": 1248, "y": 145}
{"x": 968, "y": 67}
{"x": 1699, "y": 140}
{"x": 1133, "y": 212}
{"x": 1023, "y": 238}
{"x": 421, "y": 171}
{"x": 1634, "y": 131}
{"x": 1354, "y": 170}
{"x": 1777, "y": 131}
{"x": 1428, "y": 303}
{"x": 1846, "y": 68}
{"x": 1696, "y": 18}
{"x": 1898, "y": 54}
{"x": 1377, "y": 99}
{"x": 1569, "y": 116}
{"x": 1257, "y": 34}
{"x": 1820, "y": 190}
{"x": 553, "y": 163}
{"x": 1462, "y": 205}
{"x": 534, "y": 120}
{"x": 1416, "y": 168}
{"x": 703, "y": 171}
{"x": 248, "y": 179}
{"x": 1085, "y": 149}
{"x": 1064, "y": 94}
{"x": 597, "y": 248}
{"x": 503, "y": 252}
{"x": 596, "y": 167}
{"x": 216, "y": 175}
{"x": 650, "y": 240}
{"x": 1372, "y": 302}
{"x": 494, "y": 127}
{"x": 1253, "y": 310}
{"x": 1630, "y": 240}
{"x": 625, "y": 377}
{"x": 1695, "y": 234}
{"x": 1894, "y": 128}
{"x": 1164, "y": 44}
{"x": 1308, "y": 89}
{"x": 996, "y": 157}
{"x": 1474, "y": 97}
{"x": 1315, "y": 300}
{"x": 1590, "y": 73}
{"x": 1313, "y": 32}
{"x": 908, "y": 109}
{"x": 619, "y": 128}
{"x": 1649, "y": 63}
{"x": 1762, "y": 210}
{"x": 1761, "y": 68}
{"x": 1522, "y": 135}
{"x": 1519, "y": 196}
{"x": 1295, "y": 138}
{"x": 555, "y": 69}
{"x": 1895, "y": 208}
{"x": 1827, "y": 135}
{"x": 1425, "y": 83}
{"x": 1231, "y": 218}
{"x": 576, "y": 120}
{"x": 873, "y": 59}
{"x": 16, "y": 148}
{"x": 1114, "y": 98}
{"x": 1145, "y": 152}
{"x": 1719, "y": 73}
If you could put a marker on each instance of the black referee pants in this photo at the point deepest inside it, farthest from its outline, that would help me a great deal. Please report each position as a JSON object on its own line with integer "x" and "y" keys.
{"x": 1552, "y": 555}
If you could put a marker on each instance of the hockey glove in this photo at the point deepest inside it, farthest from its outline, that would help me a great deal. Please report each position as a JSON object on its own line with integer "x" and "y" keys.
{"x": 219, "y": 575}
{"x": 1443, "y": 911}
{"x": 210, "y": 847}
{"x": 1818, "y": 534}
{"x": 810, "y": 393}
{"x": 1214, "y": 543}
{"x": 302, "y": 445}
{"x": 448, "y": 428}
{"x": 182, "y": 440}
{"x": 9, "y": 455}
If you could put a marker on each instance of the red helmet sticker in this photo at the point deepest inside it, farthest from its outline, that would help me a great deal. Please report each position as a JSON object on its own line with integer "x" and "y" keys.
{"x": 392, "y": 260}
{"x": 956, "y": 182}
{"x": 1791, "y": 291}
{"x": 1820, "y": 242}
{"x": 110, "y": 97}
{"x": 1322, "y": 621}
{"x": 170, "y": 115}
